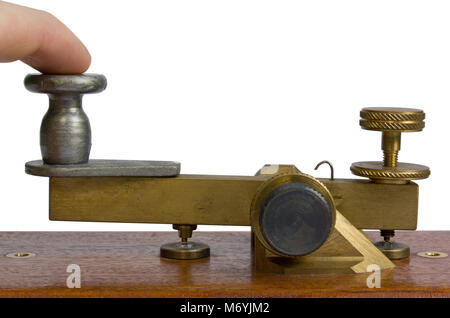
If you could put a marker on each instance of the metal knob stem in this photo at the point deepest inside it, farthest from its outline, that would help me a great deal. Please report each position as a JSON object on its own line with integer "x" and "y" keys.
{"x": 65, "y": 135}
{"x": 390, "y": 144}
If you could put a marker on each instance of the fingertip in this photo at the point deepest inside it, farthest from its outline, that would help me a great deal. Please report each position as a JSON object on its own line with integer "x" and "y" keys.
{"x": 87, "y": 59}
{"x": 40, "y": 40}
{"x": 59, "y": 51}
{"x": 78, "y": 59}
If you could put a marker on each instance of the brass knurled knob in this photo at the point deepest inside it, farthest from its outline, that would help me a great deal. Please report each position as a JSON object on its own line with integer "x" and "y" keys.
{"x": 392, "y": 119}
{"x": 391, "y": 122}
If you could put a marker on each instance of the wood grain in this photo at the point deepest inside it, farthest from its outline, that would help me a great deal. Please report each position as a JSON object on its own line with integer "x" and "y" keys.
{"x": 127, "y": 264}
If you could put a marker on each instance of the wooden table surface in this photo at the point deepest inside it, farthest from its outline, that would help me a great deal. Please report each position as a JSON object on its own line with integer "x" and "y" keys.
{"x": 127, "y": 264}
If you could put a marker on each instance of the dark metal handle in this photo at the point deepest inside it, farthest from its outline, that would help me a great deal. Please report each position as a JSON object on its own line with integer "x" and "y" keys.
{"x": 65, "y": 135}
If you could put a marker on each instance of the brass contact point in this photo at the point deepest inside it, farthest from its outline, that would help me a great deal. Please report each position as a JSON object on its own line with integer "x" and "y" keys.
{"x": 184, "y": 250}
{"x": 393, "y": 250}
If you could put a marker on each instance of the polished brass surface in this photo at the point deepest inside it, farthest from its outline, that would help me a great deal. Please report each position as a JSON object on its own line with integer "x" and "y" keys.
{"x": 369, "y": 205}
{"x": 400, "y": 174}
{"x": 185, "y": 199}
{"x": 392, "y": 119}
{"x": 362, "y": 244}
{"x": 271, "y": 170}
{"x": 219, "y": 200}
{"x": 391, "y": 122}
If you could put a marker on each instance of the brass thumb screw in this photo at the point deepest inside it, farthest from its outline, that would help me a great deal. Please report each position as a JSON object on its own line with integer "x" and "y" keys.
{"x": 391, "y": 122}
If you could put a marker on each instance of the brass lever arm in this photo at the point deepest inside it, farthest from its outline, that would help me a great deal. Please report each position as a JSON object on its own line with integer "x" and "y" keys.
{"x": 217, "y": 200}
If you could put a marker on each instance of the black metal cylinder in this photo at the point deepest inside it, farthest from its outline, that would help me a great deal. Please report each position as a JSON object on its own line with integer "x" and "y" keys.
{"x": 295, "y": 219}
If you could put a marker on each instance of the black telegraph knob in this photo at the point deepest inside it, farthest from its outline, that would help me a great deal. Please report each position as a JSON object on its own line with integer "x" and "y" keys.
{"x": 295, "y": 219}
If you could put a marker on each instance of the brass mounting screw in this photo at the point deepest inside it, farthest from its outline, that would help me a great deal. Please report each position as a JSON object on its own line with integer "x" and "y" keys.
{"x": 21, "y": 255}
{"x": 432, "y": 254}
{"x": 387, "y": 235}
{"x": 184, "y": 231}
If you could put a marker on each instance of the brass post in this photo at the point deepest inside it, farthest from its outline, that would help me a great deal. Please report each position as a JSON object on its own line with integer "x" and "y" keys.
{"x": 184, "y": 249}
{"x": 184, "y": 231}
{"x": 387, "y": 234}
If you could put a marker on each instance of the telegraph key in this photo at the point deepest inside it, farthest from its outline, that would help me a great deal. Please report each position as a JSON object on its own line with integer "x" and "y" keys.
{"x": 299, "y": 223}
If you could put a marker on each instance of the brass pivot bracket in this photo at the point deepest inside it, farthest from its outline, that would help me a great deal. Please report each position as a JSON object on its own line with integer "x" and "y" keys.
{"x": 391, "y": 122}
{"x": 184, "y": 249}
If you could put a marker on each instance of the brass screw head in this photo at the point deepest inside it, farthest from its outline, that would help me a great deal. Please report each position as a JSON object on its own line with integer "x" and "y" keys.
{"x": 432, "y": 254}
{"x": 392, "y": 119}
{"x": 21, "y": 255}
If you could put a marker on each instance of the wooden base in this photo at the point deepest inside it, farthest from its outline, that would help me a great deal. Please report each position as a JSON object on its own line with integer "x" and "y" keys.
{"x": 127, "y": 264}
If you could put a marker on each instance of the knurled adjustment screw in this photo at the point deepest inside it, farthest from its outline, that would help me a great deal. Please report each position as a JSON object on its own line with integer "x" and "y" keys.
{"x": 391, "y": 122}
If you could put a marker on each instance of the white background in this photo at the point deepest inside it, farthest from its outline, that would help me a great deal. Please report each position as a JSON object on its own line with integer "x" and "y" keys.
{"x": 227, "y": 86}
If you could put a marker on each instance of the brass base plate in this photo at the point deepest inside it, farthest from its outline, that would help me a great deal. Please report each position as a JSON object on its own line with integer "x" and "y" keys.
{"x": 188, "y": 250}
{"x": 393, "y": 250}
{"x": 402, "y": 173}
